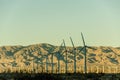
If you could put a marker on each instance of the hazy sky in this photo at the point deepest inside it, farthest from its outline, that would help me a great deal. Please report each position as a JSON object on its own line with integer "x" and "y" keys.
{"x": 24, "y": 22}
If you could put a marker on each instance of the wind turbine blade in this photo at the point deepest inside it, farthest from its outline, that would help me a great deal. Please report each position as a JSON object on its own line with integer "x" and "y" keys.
{"x": 64, "y": 45}
{"x": 83, "y": 39}
{"x": 89, "y": 47}
{"x": 59, "y": 51}
{"x": 61, "y": 47}
{"x": 81, "y": 49}
{"x": 72, "y": 42}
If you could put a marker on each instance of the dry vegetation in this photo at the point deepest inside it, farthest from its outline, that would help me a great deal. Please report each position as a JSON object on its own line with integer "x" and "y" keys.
{"x": 32, "y": 59}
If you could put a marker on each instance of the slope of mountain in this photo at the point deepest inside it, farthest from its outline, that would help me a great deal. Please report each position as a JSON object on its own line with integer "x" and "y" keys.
{"x": 38, "y": 55}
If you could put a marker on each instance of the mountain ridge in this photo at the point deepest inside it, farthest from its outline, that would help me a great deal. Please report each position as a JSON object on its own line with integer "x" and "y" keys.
{"x": 26, "y": 56}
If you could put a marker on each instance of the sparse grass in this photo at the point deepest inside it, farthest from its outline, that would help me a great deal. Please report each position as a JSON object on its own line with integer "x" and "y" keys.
{"x": 80, "y": 69}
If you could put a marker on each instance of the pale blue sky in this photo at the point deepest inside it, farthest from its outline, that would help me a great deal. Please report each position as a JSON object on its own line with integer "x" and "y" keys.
{"x": 25, "y": 22}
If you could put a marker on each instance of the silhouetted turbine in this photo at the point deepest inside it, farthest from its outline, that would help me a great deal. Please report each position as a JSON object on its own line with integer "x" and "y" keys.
{"x": 65, "y": 55}
{"x": 74, "y": 55}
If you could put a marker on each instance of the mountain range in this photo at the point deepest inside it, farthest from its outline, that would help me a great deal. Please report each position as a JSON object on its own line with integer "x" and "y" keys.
{"x": 38, "y": 55}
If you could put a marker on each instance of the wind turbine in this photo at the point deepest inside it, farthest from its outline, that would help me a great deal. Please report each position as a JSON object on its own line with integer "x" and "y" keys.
{"x": 65, "y": 55}
{"x": 40, "y": 61}
{"x": 50, "y": 52}
{"x": 74, "y": 55}
{"x": 47, "y": 63}
{"x": 52, "y": 62}
{"x": 84, "y": 49}
{"x": 59, "y": 56}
